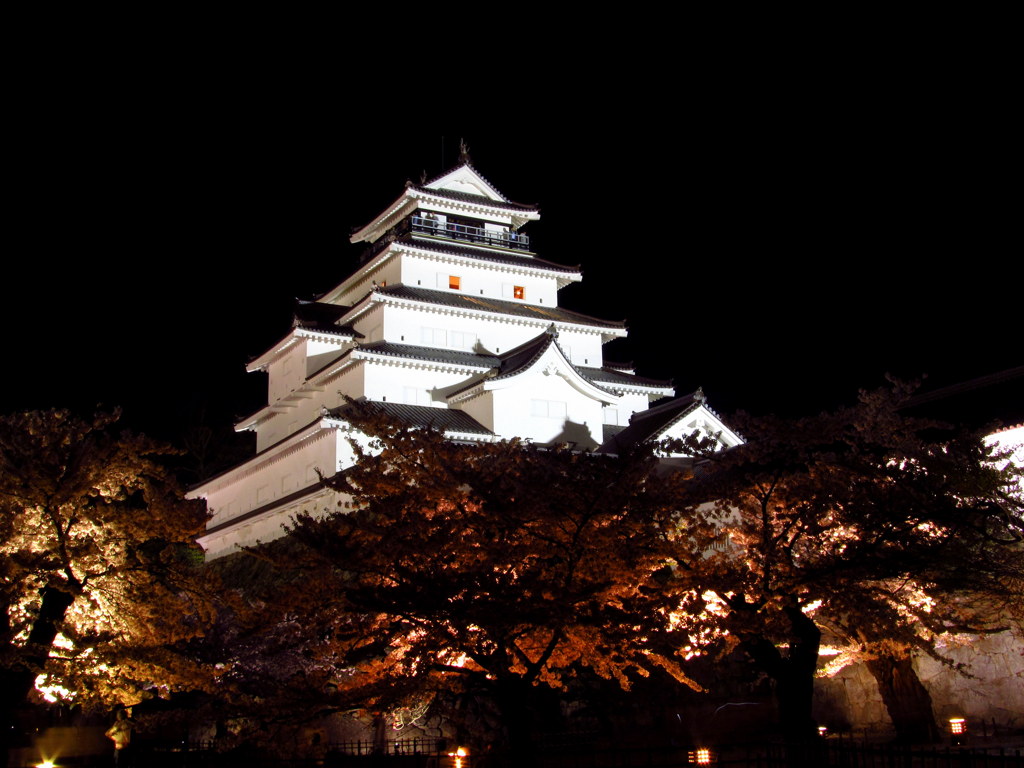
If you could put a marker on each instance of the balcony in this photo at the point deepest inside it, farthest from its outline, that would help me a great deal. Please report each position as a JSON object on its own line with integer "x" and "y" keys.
{"x": 453, "y": 230}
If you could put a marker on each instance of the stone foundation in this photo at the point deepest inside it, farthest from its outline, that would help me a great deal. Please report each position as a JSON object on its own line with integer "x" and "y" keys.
{"x": 992, "y": 689}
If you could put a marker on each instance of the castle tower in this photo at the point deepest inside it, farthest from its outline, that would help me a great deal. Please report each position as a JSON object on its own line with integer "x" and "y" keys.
{"x": 452, "y": 321}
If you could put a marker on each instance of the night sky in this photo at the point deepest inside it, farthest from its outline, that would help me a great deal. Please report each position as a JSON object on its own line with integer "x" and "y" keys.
{"x": 779, "y": 259}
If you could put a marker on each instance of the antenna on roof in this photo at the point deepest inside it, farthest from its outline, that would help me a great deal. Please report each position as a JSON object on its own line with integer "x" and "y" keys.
{"x": 463, "y": 151}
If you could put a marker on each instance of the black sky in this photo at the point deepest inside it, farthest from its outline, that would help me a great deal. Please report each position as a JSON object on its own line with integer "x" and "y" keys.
{"x": 781, "y": 258}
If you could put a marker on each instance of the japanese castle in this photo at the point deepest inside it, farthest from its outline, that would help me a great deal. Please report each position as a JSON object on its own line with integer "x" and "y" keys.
{"x": 451, "y": 321}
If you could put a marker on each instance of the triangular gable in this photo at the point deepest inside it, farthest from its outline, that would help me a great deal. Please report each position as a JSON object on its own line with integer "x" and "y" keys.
{"x": 539, "y": 355}
{"x": 703, "y": 421}
{"x": 675, "y": 419}
{"x": 467, "y": 180}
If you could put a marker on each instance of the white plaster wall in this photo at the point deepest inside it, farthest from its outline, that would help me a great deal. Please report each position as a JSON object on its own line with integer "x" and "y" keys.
{"x": 351, "y": 382}
{"x": 413, "y": 385}
{"x": 271, "y": 526}
{"x": 279, "y": 426}
{"x": 272, "y": 477}
{"x": 481, "y": 408}
{"x": 302, "y": 411}
{"x": 491, "y": 281}
{"x": 371, "y": 324}
{"x": 582, "y": 348}
{"x": 514, "y": 412}
{"x": 319, "y": 353}
{"x": 628, "y": 405}
{"x": 387, "y": 273}
{"x": 287, "y": 372}
{"x": 495, "y": 334}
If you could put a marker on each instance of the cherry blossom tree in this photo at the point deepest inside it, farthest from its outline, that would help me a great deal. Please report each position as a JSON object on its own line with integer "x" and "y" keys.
{"x": 99, "y": 577}
{"x": 884, "y": 529}
{"x": 495, "y": 569}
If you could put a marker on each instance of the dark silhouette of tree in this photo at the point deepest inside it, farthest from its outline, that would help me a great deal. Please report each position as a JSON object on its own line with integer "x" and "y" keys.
{"x": 885, "y": 529}
{"x": 100, "y": 580}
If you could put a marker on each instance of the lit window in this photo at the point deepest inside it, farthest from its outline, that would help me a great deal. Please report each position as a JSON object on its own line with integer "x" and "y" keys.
{"x": 518, "y": 292}
{"x": 454, "y": 282}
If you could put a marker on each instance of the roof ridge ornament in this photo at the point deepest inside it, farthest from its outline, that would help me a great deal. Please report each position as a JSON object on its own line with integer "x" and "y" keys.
{"x": 699, "y": 395}
{"x": 464, "y": 152}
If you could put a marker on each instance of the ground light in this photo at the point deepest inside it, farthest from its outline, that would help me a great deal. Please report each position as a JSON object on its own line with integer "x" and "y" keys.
{"x": 957, "y": 731}
{"x": 701, "y": 756}
{"x": 46, "y": 764}
{"x": 460, "y": 758}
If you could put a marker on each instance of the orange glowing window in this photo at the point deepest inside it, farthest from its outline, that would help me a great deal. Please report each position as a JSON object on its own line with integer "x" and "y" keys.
{"x": 518, "y": 292}
{"x": 454, "y": 282}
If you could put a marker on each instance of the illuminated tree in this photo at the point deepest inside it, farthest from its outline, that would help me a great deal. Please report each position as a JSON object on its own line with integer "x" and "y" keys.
{"x": 885, "y": 529}
{"x": 97, "y": 561}
{"x": 499, "y": 569}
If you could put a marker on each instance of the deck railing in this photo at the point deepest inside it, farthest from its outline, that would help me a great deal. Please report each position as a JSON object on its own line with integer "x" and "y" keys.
{"x": 468, "y": 233}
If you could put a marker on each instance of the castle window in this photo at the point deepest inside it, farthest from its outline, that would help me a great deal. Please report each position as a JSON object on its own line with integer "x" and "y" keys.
{"x": 548, "y": 409}
{"x": 518, "y": 292}
{"x": 455, "y": 282}
{"x": 435, "y": 337}
{"x": 461, "y": 340}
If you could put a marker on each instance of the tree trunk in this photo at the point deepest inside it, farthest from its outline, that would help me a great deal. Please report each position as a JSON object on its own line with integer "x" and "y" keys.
{"x": 796, "y": 688}
{"x": 907, "y": 700}
{"x": 793, "y": 674}
{"x": 516, "y": 699}
{"x": 17, "y": 681}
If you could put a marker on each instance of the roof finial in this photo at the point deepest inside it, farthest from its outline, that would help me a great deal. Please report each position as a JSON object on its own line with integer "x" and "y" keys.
{"x": 699, "y": 395}
{"x": 463, "y": 151}
{"x": 423, "y": 178}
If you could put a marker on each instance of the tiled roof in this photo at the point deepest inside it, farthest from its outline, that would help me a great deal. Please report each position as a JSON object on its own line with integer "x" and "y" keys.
{"x": 338, "y": 330}
{"x": 500, "y": 257}
{"x": 318, "y": 312}
{"x": 465, "y": 197}
{"x": 430, "y": 353}
{"x": 610, "y": 430}
{"x": 499, "y": 306}
{"x": 444, "y": 419}
{"x": 321, "y": 316}
{"x": 523, "y": 356}
{"x": 608, "y": 375}
{"x": 646, "y": 424}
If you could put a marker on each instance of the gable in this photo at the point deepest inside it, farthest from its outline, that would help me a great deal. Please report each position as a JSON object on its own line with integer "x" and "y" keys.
{"x": 705, "y": 423}
{"x": 466, "y": 180}
{"x": 673, "y": 419}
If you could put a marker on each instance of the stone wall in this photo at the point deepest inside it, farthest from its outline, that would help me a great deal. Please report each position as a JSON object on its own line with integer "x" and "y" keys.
{"x": 993, "y": 689}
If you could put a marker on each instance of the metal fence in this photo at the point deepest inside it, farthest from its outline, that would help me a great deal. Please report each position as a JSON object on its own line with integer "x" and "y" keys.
{"x": 433, "y": 753}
